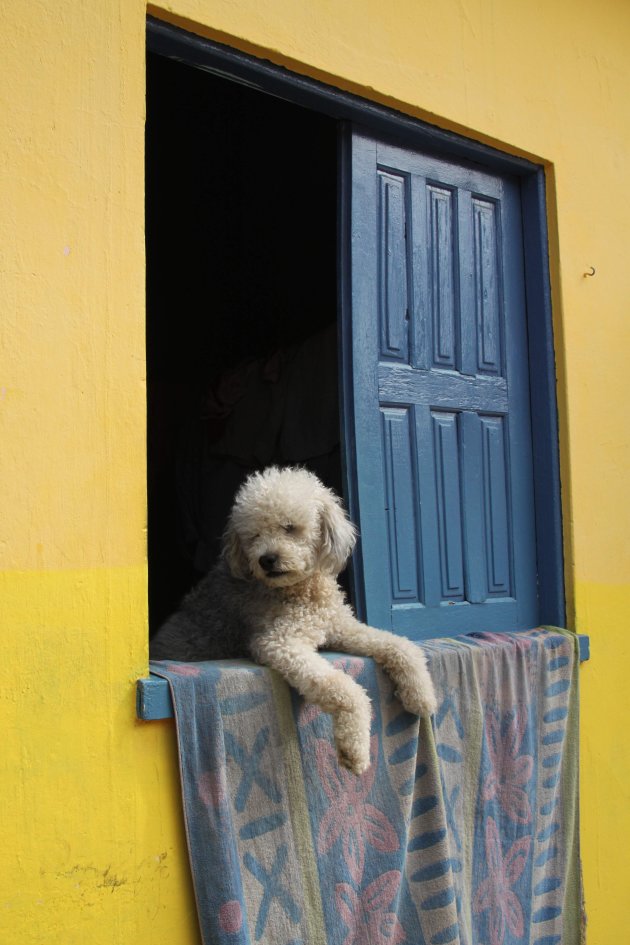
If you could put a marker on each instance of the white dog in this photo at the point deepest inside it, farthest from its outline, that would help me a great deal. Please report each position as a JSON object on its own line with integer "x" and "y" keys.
{"x": 274, "y": 596}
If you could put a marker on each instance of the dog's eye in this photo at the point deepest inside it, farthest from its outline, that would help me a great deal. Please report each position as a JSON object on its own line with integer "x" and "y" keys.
{"x": 289, "y": 527}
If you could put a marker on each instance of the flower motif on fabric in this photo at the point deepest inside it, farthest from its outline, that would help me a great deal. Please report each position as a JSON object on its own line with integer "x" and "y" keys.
{"x": 231, "y": 917}
{"x": 367, "y": 914}
{"x": 183, "y": 669}
{"x": 211, "y": 788}
{"x": 494, "y": 894}
{"x": 349, "y": 816}
{"x": 509, "y": 771}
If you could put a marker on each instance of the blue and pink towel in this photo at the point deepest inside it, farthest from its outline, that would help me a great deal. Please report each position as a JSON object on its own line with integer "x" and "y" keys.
{"x": 464, "y": 829}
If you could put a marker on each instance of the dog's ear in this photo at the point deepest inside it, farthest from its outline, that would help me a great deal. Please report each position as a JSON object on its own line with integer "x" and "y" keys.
{"x": 233, "y": 553}
{"x": 338, "y": 535}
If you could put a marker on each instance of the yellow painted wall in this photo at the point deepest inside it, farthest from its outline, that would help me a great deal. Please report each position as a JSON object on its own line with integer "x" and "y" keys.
{"x": 91, "y": 832}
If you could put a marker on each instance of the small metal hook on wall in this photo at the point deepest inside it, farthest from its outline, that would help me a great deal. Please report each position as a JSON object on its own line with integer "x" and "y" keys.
{"x": 590, "y": 272}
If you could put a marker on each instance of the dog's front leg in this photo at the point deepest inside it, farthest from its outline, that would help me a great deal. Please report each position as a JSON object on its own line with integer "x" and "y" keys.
{"x": 325, "y": 686}
{"x": 403, "y": 661}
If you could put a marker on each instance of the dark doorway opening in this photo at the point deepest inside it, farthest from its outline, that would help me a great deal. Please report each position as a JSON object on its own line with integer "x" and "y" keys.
{"x": 241, "y": 220}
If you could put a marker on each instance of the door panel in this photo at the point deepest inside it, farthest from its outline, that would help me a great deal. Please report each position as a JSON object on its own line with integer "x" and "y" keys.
{"x": 436, "y": 349}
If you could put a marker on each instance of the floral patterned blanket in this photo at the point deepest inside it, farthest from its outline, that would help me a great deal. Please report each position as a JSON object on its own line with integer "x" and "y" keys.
{"x": 463, "y": 830}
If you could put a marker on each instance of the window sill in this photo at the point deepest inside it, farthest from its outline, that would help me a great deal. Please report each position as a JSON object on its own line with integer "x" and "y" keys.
{"x": 153, "y": 697}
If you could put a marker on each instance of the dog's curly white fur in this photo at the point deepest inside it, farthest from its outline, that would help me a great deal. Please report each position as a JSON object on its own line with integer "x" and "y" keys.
{"x": 274, "y": 596}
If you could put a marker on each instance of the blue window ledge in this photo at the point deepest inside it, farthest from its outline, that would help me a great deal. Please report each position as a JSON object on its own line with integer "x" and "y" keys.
{"x": 153, "y": 697}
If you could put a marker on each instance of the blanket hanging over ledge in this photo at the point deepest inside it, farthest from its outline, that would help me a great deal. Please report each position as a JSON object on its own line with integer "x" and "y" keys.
{"x": 464, "y": 830}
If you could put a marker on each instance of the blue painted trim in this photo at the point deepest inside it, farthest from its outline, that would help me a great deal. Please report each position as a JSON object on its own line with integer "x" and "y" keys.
{"x": 584, "y": 643}
{"x": 153, "y": 695}
{"x": 229, "y": 63}
{"x": 544, "y": 410}
{"x": 346, "y": 364}
{"x": 153, "y": 699}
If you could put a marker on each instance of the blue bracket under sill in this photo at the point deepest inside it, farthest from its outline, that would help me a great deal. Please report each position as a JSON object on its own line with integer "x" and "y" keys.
{"x": 153, "y": 696}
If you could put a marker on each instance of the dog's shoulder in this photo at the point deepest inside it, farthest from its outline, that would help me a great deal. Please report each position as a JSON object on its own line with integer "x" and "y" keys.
{"x": 217, "y": 589}
{"x": 208, "y": 623}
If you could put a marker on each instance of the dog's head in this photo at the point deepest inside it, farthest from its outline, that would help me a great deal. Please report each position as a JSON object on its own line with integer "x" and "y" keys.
{"x": 284, "y": 526}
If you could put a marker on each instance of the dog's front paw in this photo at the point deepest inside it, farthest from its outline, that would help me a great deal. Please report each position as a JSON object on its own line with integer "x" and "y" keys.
{"x": 415, "y": 690}
{"x": 418, "y": 700}
{"x": 352, "y": 741}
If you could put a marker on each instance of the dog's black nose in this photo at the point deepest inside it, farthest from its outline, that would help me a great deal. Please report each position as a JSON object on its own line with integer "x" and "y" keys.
{"x": 268, "y": 562}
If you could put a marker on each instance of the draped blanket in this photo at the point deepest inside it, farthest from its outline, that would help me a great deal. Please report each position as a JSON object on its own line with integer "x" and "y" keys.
{"x": 463, "y": 830}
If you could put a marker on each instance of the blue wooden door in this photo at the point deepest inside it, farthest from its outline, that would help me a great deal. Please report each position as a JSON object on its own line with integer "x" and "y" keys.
{"x": 438, "y": 440}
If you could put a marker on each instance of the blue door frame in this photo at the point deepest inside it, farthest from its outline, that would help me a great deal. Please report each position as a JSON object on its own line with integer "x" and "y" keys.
{"x": 172, "y": 42}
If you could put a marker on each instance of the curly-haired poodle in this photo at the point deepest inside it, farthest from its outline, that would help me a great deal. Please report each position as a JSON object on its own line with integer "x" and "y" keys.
{"x": 274, "y": 596}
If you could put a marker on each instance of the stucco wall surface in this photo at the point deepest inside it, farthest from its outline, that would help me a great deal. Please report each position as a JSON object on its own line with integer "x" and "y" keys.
{"x": 92, "y": 838}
